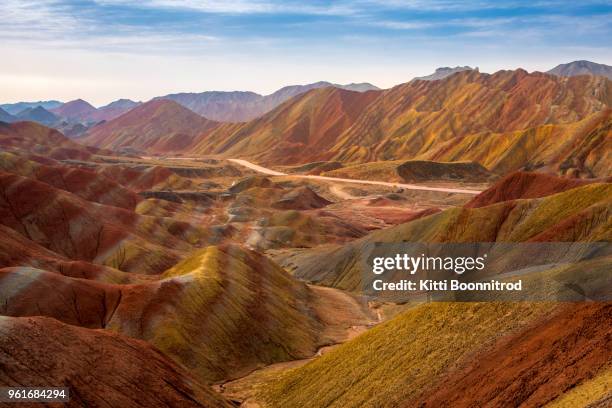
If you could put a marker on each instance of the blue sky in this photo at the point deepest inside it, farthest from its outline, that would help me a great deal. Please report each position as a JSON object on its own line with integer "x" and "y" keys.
{"x": 101, "y": 50}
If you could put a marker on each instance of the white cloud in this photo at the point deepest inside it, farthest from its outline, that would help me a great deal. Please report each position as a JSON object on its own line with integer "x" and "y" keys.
{"x": 42, "y": 17}
{"x": 402, "y": 25}
{"x": 236, "y": 6}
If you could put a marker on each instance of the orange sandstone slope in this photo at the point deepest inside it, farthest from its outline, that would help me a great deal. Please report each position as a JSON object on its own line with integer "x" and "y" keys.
{"x": 157, "y": 126}
{"x": 101, "y": 368}
{"x": 577, "y": 149}
{"x": 299, "y": 131}
{"x": 412, "y": 118}
{"x": 522, "y": 184}
{"x": 221, "y": 313}
{"x": 537, "y": 120}
{"x": 467, "y": 116}
{"x": 88, "y": 231}
{"x": 532, "y": 367}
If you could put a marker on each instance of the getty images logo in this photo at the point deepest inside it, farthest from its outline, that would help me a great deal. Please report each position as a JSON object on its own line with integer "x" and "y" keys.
{"x": 412, "y": 264}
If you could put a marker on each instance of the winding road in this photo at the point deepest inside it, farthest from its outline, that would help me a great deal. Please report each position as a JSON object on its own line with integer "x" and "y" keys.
{"x": 271, "y": 172}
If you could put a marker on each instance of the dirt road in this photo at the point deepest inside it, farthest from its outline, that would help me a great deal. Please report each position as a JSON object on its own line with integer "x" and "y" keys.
{"x": 270, "y": 172}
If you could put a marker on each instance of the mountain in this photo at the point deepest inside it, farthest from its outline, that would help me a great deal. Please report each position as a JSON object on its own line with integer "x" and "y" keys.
{"x": 358, "y": 87}
{"x": 156, "y": 126}
{"x": 15, "y": 108}
{"x": 273, "y": 100}
{"x": 582, "y": 68}
{"x": 123, "y": 367}
{"x": 244, "y": 106}
{"x": 236, "y": 106}
{"x": 521, "y": 185}
{"x": 77, "y": 110}
{"x": 577, "y": 214}
{"x": 443, "y": 72}
{"x": 297, "y": 131}
{"x": 469, "y": 116}
{"x": 71, "y": 130}
{"x": 34, "y": 138}
{"x": 39, "y": 115}
{"x": 505, "y": 353}
{"x": 82, "y": 182}
{"x": 6, "y": 117}
{"x": 412, "y": 118}
{"x": 107, "y": 235}
{"x": 425, "y": 354}
{"x": 113, "y": 110}
{"x": 577, "y": 149}
{"x": 536, "y": 357}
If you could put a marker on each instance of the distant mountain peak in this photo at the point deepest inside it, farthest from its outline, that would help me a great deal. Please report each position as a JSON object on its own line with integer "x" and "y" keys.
{"x": 122, "y": 103}
{"x": 6, "y": 117}
{"x": 76, "y": 109}
{"x": 443, "y": 72}
{"x": 38, "y": 114}
{"x": 15, "y": 108}
{"x": 358, "y": 87}
{"x": 242, "y": 106}
{"x": 159, "y": 125}
{"x": 582, "y": 67}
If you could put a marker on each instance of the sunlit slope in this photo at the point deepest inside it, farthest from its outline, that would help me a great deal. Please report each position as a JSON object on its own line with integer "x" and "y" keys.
{"x": 581, "y": 148}
{"x": 155, "y": 126}
{"x": 506, "y": 121}
{"x": 579, "y": 214}
{"x": 221, "y": 313}
{"x": 532, "y": 366}
{"x": 523, "y": 184}
{"x": 299, "y": 130}
{"x": 460, "y": 354}
{"x": 594, "y": 391}
{"x": 395, "y": 360}
{"x": 414, "y": 118}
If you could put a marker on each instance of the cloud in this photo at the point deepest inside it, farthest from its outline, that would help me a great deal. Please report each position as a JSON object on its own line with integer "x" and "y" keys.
{"x": 57, "y": 25}
{"x": 402, "y": 25}
{"x": 237, "y": 6}
{"x": 48, "y": 16}
{"x": 472, "y": 5}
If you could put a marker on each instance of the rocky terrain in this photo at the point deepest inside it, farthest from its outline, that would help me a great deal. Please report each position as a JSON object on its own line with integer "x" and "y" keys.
{"x": 167, "y": 259}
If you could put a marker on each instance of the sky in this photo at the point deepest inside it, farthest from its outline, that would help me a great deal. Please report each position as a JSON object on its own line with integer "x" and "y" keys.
{"x": 102, "y": 50}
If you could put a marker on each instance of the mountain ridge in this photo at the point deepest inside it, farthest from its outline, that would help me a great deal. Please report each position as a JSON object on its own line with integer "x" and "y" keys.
{"x": 15, "y": 108}
{"x": 75, "y": 110}
{"x": 443, "y": 72}
{"x": 582, "y": 67}
{"x": 439, "y": 121}
{"x": 39, "y": 115}
{"x": 156, "y": 126}
{"x": 241, "y": 106}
